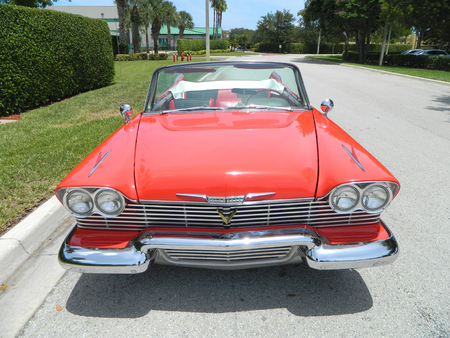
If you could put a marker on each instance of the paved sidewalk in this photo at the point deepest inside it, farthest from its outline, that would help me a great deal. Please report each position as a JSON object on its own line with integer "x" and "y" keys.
{"x": 19, "y": 244}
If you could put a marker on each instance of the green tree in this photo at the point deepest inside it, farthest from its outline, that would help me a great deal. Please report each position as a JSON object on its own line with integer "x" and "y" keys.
{"x": 242, "y": 41}
{"x": 145, "y": 11}
{"x": 430, "y": 19}
{"x": 355, "y": 18}
{"x": 122, "y": 13}
{"x": 171, "y": 18}
{"x": 30, "y": 3}
{"x": 184, "y": 21}
{"x": 219, "y": 6}
{"x": 239, "y": 31}
{"x": 160, "y": 10}
{"x": 277, "y": 28}
{"x": 135, "y": 22}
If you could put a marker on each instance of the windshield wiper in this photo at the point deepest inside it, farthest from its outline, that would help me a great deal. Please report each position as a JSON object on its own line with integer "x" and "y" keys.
{"x": 191, "y": 109}
{"x": 256, "y": 106}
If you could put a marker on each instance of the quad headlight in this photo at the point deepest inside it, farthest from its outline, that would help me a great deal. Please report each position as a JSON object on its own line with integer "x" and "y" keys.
{"x": 83, "y": 202}
{"x": 370, "y": 197}
{"x": 375, "y": 198}
{"x": 345, "y": 198}
{"x": 80, "y": 202}
{"x": 109, "y": 202}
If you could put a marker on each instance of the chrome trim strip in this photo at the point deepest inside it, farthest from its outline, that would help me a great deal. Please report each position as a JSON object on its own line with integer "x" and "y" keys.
{"x": 99, "y": 162}
{"x": 245, "y": 203}
{"x": 227, "y": 200}
{"x": 316, "y": 251}
{"x": 201, "y": 197}
{"x": 354, "y": 158}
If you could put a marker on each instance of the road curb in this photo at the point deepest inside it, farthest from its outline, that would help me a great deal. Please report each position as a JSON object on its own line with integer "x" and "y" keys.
{"x": 18, "y": 244}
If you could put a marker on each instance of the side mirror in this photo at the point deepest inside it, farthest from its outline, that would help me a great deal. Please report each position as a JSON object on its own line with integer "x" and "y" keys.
{"x": 326, "y": 106}
{"x": 126, "y": 111}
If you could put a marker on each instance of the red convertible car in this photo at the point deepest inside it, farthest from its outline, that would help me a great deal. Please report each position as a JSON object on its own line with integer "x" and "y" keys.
{"x": 227, "y": 167}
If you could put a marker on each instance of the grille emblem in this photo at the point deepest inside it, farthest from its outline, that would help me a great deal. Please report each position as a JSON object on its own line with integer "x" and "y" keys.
{"x": 228, "y": 219}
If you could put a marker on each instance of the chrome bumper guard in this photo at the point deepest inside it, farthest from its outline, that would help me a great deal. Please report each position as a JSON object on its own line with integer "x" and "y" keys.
{"x": 305, "y": 245}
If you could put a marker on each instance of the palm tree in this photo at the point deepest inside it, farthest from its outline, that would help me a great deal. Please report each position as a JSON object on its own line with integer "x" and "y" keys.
{"x": 160, "y": 8}
{"x": 184, "y": 21}
{"x": 145, "y": 19}
{"x": 122, "y": 10}
{"x": 214, "y": 7}
{"x": 134, "y": 19}
{"x": 221, "y": 7}
{"x": 170, "y": 19}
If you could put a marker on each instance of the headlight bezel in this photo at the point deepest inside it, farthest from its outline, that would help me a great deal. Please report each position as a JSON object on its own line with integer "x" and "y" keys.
{"x": 64, "y": 194}
{"x": 391, "y": 189}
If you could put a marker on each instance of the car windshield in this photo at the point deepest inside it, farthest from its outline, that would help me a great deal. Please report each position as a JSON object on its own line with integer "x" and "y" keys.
{"x": 224, "y": 86}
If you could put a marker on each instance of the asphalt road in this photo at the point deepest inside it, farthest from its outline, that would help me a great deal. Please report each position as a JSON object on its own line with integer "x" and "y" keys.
{"x": 405, "y": 123}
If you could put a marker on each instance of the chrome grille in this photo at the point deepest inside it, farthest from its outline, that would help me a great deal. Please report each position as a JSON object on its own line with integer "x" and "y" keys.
{"x": 308, "y": 212}
{"x": 229, "y": 256}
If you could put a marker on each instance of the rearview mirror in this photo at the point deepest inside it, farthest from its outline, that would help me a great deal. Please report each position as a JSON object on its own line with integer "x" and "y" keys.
{"x": 126, "y": 111}
{"x": 326, "y": 106}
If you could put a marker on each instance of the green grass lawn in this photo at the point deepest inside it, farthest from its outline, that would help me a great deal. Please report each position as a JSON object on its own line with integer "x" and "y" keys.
{"x": 38, "y": 151}
{"x": 425, "y": 73}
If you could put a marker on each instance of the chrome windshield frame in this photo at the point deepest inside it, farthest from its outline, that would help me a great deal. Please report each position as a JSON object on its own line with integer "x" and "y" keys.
{"x": 151, "y": 94}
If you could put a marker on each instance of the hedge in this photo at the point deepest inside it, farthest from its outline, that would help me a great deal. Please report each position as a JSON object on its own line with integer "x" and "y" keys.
{"x": 311, "y": 48}
{"x": 140, "y": 56}
{"x": 419, "y": 61}
{"x": 196, "y": 45}
{"x": 48, "y": 55}
{"x": 203, "y": 52}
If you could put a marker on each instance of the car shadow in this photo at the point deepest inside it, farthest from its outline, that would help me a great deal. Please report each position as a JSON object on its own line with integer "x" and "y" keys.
{"x": 302, "y": 291}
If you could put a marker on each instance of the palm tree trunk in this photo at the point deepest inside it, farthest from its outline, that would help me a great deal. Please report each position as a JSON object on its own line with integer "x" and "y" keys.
{"x": 169, "y": 39}
{"x": 121, "y": 10}
{"x": 135, "y": 29}
{"x": 156, "y": 26}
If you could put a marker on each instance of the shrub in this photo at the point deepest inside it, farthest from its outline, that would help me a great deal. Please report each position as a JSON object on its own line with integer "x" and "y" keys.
{"x": 418, "y": 61}
{"x": 191, "y": 45}
{"x": 141, "y": 56}
{"x": 48, "y": 55}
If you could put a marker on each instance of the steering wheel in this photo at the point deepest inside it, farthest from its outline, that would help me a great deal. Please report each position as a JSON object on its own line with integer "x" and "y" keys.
{"x": 268, "y": 90}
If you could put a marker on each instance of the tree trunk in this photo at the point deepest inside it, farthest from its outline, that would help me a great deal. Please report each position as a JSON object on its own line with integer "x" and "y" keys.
{"x": 366, "y": 46}
{"x": 346, "y": 43}
{"x": 214, "y": 22}
{"x": 121, "y": 10}
{"x": 383, "y": 46}
{"x": 169, "y": 37}
{"x": 146, "y": 39}
{"x": 156, "y": 27}
{"x": 181, "y": 33}
{"x": 135, "y": 29}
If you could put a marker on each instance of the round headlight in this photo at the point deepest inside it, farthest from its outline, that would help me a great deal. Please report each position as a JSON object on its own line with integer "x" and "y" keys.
{"x": 344, "y": 198}
{"x": 109, "y": 202}
{"x": 375, "y": 198}
{"x": 80, "y": 202}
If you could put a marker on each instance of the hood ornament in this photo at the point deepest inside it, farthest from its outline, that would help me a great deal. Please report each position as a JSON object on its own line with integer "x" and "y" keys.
{"x": 228, "y": 219}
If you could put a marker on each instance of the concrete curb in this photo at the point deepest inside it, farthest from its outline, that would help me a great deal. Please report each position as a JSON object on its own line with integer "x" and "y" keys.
{"x": 401, "y": 75}
{"x": 17, "y": 245}
{"x": 384, "y": 72}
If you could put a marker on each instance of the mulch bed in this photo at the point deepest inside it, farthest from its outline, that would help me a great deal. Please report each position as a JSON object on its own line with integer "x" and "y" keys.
{"x": 14, "y": 117}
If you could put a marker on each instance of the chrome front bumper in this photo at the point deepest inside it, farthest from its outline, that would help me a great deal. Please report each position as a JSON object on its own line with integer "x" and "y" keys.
{"x": 302, "y": 244}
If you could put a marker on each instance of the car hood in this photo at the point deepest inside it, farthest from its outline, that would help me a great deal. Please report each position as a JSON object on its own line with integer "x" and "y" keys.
{"x": 226, "y": 154}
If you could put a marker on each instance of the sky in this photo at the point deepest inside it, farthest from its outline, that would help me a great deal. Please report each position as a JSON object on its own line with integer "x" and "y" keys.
{"x": 240, "y": 13}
